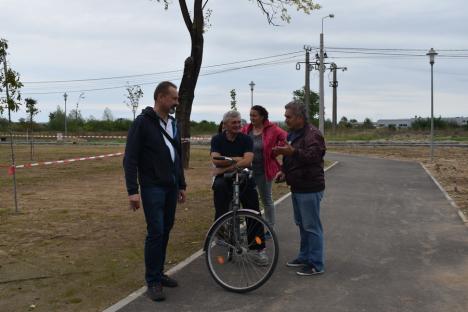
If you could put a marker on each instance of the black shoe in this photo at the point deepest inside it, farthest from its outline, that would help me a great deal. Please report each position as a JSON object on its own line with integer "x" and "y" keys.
{"x": 309, "y": 270}
{"x": 155, "y": 292}
{"x": 168, "y": 281}
{"x": 296, "y": 263}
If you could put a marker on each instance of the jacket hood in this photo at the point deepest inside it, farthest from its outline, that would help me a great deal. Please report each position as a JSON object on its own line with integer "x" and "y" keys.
{"x": 149, "y": 111}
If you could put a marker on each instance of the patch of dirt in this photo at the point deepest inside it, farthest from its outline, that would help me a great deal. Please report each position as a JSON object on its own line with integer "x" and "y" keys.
{"x": 75, "y": 245}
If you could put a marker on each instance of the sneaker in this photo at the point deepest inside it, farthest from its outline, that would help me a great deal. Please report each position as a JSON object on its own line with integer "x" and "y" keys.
{"x": 155, "y": 292}
{"x": 167, "y": 281}
{"x": 308, "y": 270}
{"x": 259, "y": 257}
{"x": 295, "y": 263}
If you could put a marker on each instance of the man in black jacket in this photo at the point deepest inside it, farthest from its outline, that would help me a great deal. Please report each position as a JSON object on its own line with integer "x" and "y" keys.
{"x": 303, "y": 171}
{"x": 153, "y": 161}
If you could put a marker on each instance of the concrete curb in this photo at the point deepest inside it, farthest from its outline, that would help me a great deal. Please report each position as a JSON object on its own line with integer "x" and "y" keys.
{"x": 451, "y": 201}
{"x": 134, "y": 295}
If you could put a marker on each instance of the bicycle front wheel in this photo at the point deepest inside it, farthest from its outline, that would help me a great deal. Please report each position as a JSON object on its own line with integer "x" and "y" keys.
{"x": 241, "y": 251}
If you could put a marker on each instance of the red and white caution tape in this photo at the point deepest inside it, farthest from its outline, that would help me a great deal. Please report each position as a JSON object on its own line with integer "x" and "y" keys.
{"x": 191, "y": 139}
{"x": 72, "y": 136}
{"x": 12, "y": 169}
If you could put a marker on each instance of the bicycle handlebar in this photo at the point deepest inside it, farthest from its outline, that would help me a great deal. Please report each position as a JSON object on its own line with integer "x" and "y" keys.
{"x": 224, "y": 158}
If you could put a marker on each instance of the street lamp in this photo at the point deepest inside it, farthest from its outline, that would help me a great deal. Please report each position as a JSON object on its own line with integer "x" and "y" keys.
{"x": 432, "y": 53}
{"x": 80, "y": 97}
{"x": 65, "y": 96}
{"x": 321, "y": 85}
{"x": 252, "y": 85}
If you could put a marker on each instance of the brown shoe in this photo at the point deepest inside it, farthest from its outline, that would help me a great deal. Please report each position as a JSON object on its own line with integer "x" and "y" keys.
{"x": 155, "y": 292}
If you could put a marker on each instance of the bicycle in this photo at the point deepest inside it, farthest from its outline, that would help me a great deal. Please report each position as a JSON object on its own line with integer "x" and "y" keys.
{"x": 241, "y": 247}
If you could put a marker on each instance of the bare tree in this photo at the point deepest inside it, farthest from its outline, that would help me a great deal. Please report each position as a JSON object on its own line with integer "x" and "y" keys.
{"x": 134, "y": 94}
{"x": 107, "y": 115}
{"x": 233, "y": 99}
{"x": 196, "y": 24}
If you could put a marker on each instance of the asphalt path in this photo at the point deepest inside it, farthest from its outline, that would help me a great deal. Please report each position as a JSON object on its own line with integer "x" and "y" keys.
{"x": 393, "y": 243}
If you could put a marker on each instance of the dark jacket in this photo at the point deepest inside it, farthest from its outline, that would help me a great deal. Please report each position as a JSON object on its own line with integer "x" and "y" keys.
{"x": 147, "y": 155}
{"x": 304, "y": 168}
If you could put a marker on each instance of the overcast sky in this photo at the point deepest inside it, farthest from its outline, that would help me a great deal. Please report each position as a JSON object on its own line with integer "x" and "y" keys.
{"x": 54, "y": 40}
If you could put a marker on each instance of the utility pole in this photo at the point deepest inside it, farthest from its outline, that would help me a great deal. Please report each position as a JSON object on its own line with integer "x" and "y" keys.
{"x": 307, "y": 81}
{"x": 321, "y": 87}
{"x": 334, "y": 85}
{"x": 65, "y": 95}
{"x": 321, "y": 84}
{"x": 308, "y": 68}
{"x": 13, "y": 163}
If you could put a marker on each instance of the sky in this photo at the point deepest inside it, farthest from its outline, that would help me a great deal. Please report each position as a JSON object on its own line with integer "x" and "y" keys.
{"x": 381, "y": 42}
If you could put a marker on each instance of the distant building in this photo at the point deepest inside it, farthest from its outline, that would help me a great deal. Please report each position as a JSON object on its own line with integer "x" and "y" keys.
{"x": 406, "y": 123}
{"x": 397, "y": 123}
{"x": 461, "y": 121}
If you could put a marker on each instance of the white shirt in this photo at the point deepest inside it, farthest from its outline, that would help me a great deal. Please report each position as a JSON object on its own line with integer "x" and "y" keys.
{"x": 168, "y": 127}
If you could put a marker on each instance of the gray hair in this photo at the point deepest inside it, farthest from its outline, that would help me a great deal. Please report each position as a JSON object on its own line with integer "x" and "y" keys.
{"x": 297, "y": 108}
{"x": 231, "y": 114}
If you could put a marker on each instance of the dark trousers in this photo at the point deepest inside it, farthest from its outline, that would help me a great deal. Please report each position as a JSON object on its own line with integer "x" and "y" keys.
{"x": 159, "y": 205}
{"x": 222, "y": 197}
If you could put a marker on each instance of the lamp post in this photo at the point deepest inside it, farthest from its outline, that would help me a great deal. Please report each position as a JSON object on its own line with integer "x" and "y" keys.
{"x": 252, "y": 85}
{"x": 321, "y": 86}
{"x": 65, "y": 96}
{"x": 432, "y": 53}
{"x": 80, "y": 97}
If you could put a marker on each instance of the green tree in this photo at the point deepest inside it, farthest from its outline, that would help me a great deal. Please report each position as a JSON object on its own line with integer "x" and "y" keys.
{"x": 133, "y": 96}
{"x": 344, "y": 123}
{"x": 233, "y": 99}
{"x": 10, "y": 83}
{"x": 32, "y": 111}
{"x": 368, "y": 124}
{"x": 57, "y": 120}
{"x": 298, "y": 95}
{"x": 196, "y": 23}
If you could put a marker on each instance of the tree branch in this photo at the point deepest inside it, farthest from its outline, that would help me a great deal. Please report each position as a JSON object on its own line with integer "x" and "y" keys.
{"x": 198, "y": 14}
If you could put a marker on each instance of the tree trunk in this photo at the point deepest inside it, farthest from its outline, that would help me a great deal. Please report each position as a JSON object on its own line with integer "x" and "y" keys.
{"x": 190, "y": 77}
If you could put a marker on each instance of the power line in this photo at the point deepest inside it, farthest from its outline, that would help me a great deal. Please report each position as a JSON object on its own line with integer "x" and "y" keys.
{"x": 158, "y": 73}
{"x": 292, "y": 59}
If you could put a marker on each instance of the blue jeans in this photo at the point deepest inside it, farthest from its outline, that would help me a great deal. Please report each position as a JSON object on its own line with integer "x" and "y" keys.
{"x": 307, "y": 218}
{"x": 159, "y": 205}
{"x": 264, "y": 190}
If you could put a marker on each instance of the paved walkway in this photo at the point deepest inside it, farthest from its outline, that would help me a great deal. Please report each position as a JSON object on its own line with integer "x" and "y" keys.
{"x": 393, "y": 243}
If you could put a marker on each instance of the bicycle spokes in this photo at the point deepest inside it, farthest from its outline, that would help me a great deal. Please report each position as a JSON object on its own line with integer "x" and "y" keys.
{"x": 239, "y": 258}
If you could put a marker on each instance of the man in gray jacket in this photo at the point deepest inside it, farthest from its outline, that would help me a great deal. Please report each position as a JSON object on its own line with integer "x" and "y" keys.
{"x": 303, "y": 170}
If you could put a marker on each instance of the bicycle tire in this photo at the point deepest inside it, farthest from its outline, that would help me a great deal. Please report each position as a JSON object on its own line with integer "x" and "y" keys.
{"x": 233, "y": 263}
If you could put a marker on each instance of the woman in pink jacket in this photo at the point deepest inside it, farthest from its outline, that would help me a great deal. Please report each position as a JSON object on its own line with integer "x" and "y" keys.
{"x": 265, "y": 136}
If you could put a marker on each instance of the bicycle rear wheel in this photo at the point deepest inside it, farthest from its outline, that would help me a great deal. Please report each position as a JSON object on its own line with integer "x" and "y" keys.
{"x": 241, "y": 251}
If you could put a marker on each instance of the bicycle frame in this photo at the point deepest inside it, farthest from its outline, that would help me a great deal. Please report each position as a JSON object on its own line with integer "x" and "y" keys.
{"x": 235, "y": 203}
